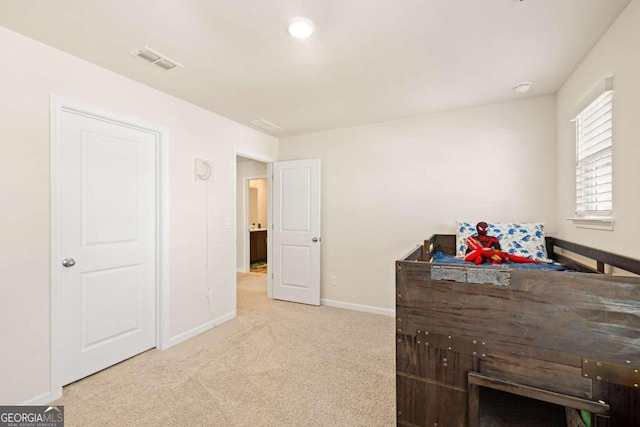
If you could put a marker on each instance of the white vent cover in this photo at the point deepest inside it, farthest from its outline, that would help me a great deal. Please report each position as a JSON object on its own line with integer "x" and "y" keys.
{"x": 263, "y": 124}
{"x": 150, "y": 56}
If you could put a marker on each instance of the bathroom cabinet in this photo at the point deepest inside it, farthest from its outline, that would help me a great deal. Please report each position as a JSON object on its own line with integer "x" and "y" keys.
{"x": 258, "y": 243}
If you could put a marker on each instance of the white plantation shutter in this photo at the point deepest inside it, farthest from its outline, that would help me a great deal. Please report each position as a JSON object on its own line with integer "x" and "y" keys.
{"x": 594, "y": 191}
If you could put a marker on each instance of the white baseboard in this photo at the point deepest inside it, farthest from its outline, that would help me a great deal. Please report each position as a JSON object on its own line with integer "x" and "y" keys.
{"x": 42, "y": 399}
{"x": 359, "y": 307}
{"x": 222, "y": 319}
{"x": 191, "y": 333}
{"x": 200, "y": 329}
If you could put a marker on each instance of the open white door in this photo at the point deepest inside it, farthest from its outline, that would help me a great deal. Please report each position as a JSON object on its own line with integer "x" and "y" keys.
{"x": 296, "y": 231}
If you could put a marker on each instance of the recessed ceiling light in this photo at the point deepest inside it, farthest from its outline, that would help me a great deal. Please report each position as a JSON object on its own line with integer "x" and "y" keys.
{"x": 523, "y": 87}
{"x": 301, "y": 28}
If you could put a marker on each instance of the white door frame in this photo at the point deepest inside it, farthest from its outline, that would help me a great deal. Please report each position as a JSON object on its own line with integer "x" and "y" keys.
{"x": 268, "y": 160}
{"x": 245, "y": 221}
{"x": 58, "y": 106}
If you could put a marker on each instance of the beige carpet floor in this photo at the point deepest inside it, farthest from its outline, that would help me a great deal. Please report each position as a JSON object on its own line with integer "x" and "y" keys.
{"x": 276, "y": 364}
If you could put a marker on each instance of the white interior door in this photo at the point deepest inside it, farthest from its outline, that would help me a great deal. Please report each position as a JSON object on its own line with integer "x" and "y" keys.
{"x": 296, "y": 233}
{"x": 108, "y": 233}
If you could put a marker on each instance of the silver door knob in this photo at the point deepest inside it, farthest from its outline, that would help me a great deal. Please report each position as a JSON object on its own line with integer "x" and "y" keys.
{"x": 314, "y": 240}
{"x": 68, "y": 262}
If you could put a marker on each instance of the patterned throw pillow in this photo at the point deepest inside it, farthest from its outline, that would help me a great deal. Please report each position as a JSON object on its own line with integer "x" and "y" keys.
{"x": 526, "y": 239}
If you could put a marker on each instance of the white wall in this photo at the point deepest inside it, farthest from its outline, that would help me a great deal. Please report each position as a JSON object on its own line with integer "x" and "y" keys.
{"x": 262, "y": 192}
{"x": 29, "y": 73}
{"x": 387, "y": 186}
{"x": 616, "y": 54}
{"x": 244, "y": 169}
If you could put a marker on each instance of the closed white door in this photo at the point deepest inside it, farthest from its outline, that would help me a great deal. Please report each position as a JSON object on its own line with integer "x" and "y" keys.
{"x": 296, "y": 233}
{"x": 108, "y": 211}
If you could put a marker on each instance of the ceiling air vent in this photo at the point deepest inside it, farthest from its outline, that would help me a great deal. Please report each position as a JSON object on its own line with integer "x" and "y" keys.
{"x": 152, "y": 57}
{"x": 263, "y": 124}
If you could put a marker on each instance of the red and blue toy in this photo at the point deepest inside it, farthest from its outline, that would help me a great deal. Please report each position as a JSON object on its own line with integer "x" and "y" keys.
{"x": 483, "y": 247}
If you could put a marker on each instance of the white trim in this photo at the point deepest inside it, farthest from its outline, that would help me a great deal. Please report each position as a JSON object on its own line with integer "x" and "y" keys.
{"x": 56, "y": 249}
{"x": 253, "y": 156}
{"x": 270, "y": 227}
{"x": 202, "y": 328}
{"x": 603, "y": 86}
{"x": 41, "y": 399}
{"x": 359, "y": 307}
{"x": 164, "y": 203}
{"x": 191, "y": 333}
{"x": 594, "y": 223}
{"x": 225, "y": 318}
{"x": 59, "y": 104}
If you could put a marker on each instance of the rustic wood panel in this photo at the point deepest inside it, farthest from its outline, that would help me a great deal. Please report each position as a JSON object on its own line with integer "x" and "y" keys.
{"x": 573, "y": 264}
{"x": 454, "y": 402}
{"x": 536, "y": 373}
{"x": 539, "y": 394}
{"x": 445, "y": 243}
{"x": 620, "y": 261}
{"x": 536, "y": 331}
{"x": 419, "y": 404}
{"x": 473, "y": 405}
{"x": 415, "y": 254}
{"x": 552, "y": 316}
{"x": 624, "y": 403}
{"x": 407, "y": 357}
{"x": 427, "y": 250}
{"x": 444, "y": 366}
{"x": 411, "y": 393}
{"x": 434, "y": 365}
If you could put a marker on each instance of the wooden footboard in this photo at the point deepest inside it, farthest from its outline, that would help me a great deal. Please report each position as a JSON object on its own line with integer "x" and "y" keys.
{"x": 571, "y": 338}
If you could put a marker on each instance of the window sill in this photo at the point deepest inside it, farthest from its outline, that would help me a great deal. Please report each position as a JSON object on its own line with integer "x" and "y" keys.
{"x": 594, "y": 223}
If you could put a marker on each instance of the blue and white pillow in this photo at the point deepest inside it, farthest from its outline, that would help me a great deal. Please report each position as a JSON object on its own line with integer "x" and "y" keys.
{"x": 525, "y": 240}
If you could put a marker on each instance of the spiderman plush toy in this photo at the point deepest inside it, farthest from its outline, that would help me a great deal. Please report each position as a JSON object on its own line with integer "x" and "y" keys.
{"x": 484, "y": 247}
{"x": 483, "y": 239}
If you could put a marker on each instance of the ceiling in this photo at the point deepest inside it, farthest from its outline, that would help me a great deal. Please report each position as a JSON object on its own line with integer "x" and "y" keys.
{"x": 369, "y": 60}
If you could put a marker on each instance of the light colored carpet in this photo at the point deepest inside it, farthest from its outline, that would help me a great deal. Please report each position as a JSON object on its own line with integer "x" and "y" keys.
{"x": 276, "y": 364}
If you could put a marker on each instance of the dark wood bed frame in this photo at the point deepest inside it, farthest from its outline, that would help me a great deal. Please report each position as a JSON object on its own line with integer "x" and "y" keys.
{"x": 569, "y": 338}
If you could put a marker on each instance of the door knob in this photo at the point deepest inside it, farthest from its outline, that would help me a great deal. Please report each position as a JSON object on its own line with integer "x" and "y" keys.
{"x": 68, "y": 262}
{"x": 314, "y": 240}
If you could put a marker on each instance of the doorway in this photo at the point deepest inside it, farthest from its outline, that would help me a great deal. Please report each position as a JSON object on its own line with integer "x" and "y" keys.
{"x": 247, "y": 167}
{"x": 109, "y": 237}
{"x": 252, "y": 214}
{"x": 258, "y": 215}
{"x": 294, "y": 248}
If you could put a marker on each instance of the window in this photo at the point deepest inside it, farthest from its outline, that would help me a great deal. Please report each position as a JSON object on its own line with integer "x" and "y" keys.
{"x": 594, "y": 143}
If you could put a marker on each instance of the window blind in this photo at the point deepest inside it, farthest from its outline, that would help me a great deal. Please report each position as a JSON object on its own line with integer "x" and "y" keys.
{"x": 594, "y": 174}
